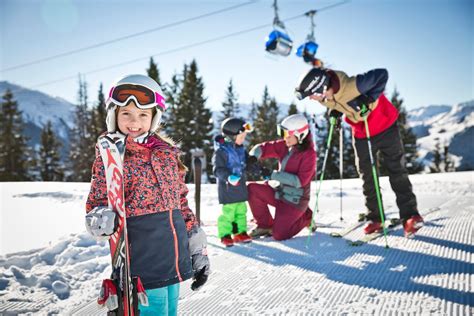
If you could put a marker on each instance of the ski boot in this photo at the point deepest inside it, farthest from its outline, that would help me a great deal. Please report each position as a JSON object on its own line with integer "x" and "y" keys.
{"x": 412, "y": 225}
{"x": 373, "y": 227}
{"x": 227, "y": 241}
{"x": 242, "y": 237}
{"x": 260, "y": 232}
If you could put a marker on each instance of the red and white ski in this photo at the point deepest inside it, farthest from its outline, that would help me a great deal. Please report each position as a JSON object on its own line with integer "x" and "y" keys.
{"x": 123, "y": 299}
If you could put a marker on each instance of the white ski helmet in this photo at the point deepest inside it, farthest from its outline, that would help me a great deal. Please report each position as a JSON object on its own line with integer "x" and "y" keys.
{"x": 295, "y": 124}
{"x": 146, "y": 93}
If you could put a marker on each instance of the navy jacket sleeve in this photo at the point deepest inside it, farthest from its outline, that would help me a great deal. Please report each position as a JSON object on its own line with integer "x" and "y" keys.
{"x": 372, "y": 83}
{"x": 219, "y": 162}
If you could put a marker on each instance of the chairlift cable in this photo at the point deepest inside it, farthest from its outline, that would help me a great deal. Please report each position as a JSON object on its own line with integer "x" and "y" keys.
{"x": 182, "y": 47}
{"x": 162, "y": 27}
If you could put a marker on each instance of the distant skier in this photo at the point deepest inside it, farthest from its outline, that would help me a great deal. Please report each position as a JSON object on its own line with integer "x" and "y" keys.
{"x": 348, "y": 95}
{"x": 289, "y": 188}
{"x": 167, "y": 245}
{"x": 229, "y": 165}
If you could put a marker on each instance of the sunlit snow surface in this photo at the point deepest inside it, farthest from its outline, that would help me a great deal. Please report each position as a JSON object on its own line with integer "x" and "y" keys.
{"x": 51, "y": 265}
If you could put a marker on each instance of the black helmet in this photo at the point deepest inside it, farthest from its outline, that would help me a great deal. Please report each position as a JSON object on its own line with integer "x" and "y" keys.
{"x": 314, "y": 81}
{"x": 233, "y": 126}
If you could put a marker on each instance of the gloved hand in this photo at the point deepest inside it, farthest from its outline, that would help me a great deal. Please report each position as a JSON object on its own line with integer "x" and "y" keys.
{"x": 199, "y": 258}
{"x": 361, "y": 104}
{"x": 234, "y": 179}
{"x": 274, "y": 183}
{"x": 337, "y": 116}
{"x": 266, "y": 173}
{"x": 256, "y": 151}
{"x": 101, "y": 222}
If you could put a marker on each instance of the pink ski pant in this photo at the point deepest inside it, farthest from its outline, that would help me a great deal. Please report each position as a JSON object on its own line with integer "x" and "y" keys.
{"x": 288, "y": 220}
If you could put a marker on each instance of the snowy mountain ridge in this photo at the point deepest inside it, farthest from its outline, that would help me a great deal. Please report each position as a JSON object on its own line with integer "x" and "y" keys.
{"x": 38, "y": 108}
{"x": 445, "y": 126}
{"x": 434, "y": 124}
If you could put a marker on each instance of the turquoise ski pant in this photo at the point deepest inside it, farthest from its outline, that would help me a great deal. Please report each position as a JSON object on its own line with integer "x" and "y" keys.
{"x": 232, "y": 212}
{"x": 162, "y": 301}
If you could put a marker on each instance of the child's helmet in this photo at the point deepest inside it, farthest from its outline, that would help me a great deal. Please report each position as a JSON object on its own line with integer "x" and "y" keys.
{"x": 233, "y": 126}
{"x": 295, "y": 124}
{"x": 315, "y": 81}
{"x": 146, "y": 93}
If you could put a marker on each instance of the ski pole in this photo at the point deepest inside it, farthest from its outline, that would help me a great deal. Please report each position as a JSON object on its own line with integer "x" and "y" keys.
{"x": 341, "y": 132}
{"x": 332, "y": 123}
{"x": 374, "y": 173}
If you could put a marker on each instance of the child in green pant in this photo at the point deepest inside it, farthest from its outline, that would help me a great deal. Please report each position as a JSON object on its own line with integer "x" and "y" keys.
{"x": 229, "y": 163}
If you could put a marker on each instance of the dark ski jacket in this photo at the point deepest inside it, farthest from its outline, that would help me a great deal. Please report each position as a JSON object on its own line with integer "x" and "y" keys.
{"x": 351, "y": 92}
{"x": 229, "y": 159}
{"x": 295, "y": 172}
{"x": 159, "y": 220}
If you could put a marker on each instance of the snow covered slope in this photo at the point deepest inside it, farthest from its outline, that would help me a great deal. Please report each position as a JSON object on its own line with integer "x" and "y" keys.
{"x": 429, "y": 275}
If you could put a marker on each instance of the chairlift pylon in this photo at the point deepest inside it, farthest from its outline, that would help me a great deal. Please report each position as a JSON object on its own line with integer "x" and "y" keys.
{"x": 278, "y": 42}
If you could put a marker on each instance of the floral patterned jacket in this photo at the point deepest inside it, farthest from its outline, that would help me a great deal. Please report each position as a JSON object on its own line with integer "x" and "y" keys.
{"x": 159, "y": 220}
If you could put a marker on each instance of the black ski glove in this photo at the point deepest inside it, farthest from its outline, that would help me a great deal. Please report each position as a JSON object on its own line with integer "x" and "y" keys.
{"x": 337, "y": 116}
{"x": 266, "y": 173}
{"x": 199, "y": 258}
{"x": 361, "y": 102}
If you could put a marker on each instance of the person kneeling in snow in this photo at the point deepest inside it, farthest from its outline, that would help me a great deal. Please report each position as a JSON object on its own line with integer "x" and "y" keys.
{"x": 289, "y": 188}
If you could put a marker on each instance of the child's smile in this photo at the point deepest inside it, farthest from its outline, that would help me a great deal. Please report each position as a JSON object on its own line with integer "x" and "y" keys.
{"x": 133, "y": 121}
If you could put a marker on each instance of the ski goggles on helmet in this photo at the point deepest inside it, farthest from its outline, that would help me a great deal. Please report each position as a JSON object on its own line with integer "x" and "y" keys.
{"x": 144, "y": 97}
{"x": 284, "y": 133}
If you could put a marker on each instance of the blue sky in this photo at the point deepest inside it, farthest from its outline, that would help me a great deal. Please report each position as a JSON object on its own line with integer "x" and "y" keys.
{"x": 426, "y": 45}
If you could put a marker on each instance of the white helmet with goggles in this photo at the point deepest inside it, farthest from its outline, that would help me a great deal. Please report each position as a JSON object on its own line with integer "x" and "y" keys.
{"x": 143, "y": 90}
{"x": 295, "y": 124}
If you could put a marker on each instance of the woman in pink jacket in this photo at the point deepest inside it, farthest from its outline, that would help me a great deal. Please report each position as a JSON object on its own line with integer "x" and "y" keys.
{"x": 289, "y": 188}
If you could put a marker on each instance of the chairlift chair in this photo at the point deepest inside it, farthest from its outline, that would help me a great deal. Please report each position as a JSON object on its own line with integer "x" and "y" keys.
{"x": 278, "y": 42}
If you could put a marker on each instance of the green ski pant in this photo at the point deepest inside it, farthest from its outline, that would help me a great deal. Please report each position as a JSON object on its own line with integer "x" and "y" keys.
{"x": 232, "y": 212}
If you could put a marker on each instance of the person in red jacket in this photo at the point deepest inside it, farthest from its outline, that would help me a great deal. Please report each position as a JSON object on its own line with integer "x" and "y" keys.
{"x": 288, "y": 189}
{"x": 356, "y": 97}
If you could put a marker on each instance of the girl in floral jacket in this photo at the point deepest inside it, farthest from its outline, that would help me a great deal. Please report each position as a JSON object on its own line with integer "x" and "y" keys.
{"x": 166, "y": 244}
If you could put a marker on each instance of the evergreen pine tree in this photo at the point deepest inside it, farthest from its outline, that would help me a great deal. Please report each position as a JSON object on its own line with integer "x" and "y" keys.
{"x": 448, "y": 163}
{"x": 230, "y": 105}
{"x": 100, "y": 113}
{"x": 253, "y": 112}
{"x": 332, "y": 163}
{"x": 292, "y": 109}
{"x": 437, "y": 159}
{"x": 172, "y": 92}
{"x": 266, "y": 120}
{"x": 407, "y": 136}
{"x": 82, "y": 140}
{"x": 192, "y": 122}
{"x": 265, "y": 124}
{"x": 349, "y": 169}
{"x": 153, "y": 71}
{"x": 13, "y": 144}
{"x": 49, "y": 162}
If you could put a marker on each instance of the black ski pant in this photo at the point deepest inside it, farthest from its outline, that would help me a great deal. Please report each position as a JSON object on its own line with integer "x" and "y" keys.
{"x": 390, "y": 145}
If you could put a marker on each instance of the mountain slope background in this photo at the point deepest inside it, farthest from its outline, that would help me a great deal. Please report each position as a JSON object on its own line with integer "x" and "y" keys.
{"x": 434, "y": 125}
